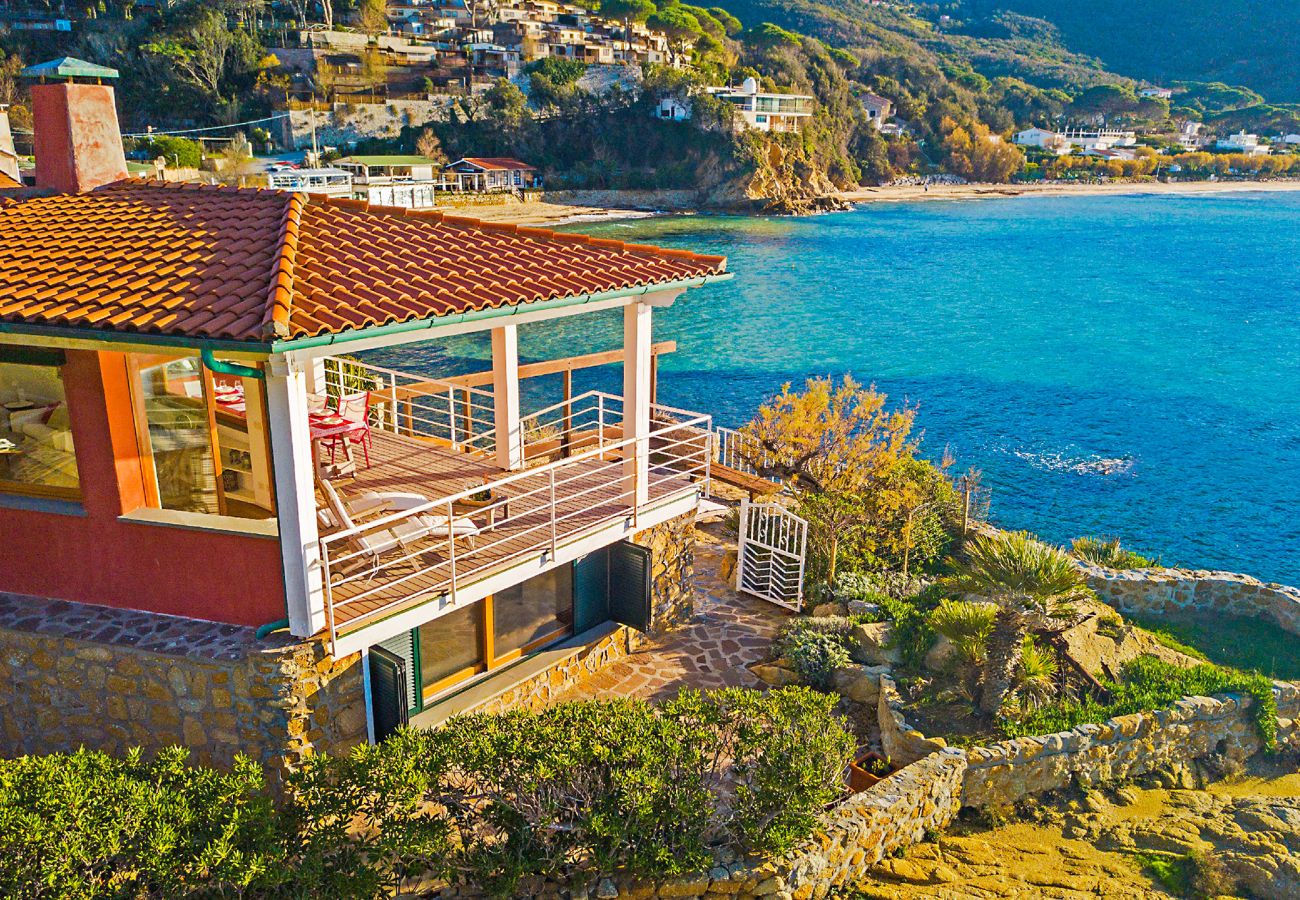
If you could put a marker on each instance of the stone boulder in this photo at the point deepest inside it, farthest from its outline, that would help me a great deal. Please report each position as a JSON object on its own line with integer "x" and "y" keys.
{"x": 870, "y": 644}
{"x": 860, "y": 684}
{"x": 863, "y": 608}
{"x": 828, "y": 610}
{"x": 777, "y": 674}
{"x": 939, "y": 657}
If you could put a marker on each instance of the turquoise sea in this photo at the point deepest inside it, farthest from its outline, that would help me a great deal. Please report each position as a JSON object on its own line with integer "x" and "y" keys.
{"x": 1115, "y": 365}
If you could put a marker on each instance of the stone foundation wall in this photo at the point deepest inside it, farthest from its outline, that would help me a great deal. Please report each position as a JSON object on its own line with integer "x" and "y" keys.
{"x": 73, "y": 674}
{"x": 856, "y": 834}
{"x": 672, "y": 571}
{"x": 1120, "y": 748}
{"x": 1162, "y": 591}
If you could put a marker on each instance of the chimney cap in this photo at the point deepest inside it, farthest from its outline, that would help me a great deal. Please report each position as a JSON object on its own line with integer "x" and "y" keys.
{"x": 68, "y": 67}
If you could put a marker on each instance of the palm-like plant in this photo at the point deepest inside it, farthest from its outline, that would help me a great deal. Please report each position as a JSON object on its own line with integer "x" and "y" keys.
{"x": 1032, "y": 583}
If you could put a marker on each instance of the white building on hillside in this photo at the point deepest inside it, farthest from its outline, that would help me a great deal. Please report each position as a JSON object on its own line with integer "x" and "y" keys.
{"x": 766, "y": 112}
{"x": 879, "y": 109}
{"x": 1241, "y": 142}
{"x": 673, "y": 109}
{"x": 1042, "y": 139}
{"x": 1103, "y": 139}
{"x": 1158, "y": 93}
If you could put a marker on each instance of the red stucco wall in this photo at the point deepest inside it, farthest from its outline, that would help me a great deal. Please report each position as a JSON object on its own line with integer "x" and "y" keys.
{"x": 99, "y": 558}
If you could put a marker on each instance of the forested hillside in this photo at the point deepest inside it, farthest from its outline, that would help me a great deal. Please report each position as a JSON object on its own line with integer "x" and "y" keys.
{"x": 1250, "y": 42}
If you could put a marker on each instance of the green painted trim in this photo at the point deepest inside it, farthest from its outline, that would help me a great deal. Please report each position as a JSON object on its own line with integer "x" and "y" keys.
{"x": 325, "y": 340}
{"x": 225, "y": 367}
{"x": 344, "y": 337}
{"x": 130, "y": 337}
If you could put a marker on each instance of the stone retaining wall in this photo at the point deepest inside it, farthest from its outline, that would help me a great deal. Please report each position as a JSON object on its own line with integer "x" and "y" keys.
{"x": 900, "y": 742}
{"x": 672, "y": 571}
{"x": 1162, "y": 591}
{"x": 110, "y": 679}
{"x": 1120, "y": 748}
{"x": 858, "y": 833}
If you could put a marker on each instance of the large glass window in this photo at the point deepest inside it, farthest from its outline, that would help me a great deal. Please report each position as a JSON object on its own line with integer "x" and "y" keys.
{"x": 494, "y": 631}
{"x": 206, "y": 438}
{"x": 532, "y": 613}
{"x": 451, "y": 648}
{"x": 36, "y": 453}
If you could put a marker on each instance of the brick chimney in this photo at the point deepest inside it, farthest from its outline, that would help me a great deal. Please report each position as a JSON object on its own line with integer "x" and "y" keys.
{"x": 77, "y": 140}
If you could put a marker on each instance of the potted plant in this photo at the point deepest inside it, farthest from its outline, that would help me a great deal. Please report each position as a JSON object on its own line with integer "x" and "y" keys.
{"x": 867, "y": 769}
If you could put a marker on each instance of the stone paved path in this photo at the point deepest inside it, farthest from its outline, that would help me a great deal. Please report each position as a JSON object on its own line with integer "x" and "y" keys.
{"x": 727, "y": 634}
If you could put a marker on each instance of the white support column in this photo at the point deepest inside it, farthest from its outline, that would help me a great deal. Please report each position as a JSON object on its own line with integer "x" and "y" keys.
{"x": 636, "y": 397}
{"x": 295, "y": 492}
{"x": 505, "y": 396}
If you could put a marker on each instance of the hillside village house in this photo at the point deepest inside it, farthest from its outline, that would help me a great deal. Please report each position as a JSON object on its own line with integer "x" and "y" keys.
{"x": 1043, "y": 139}
{"x": 221, "y": 529}
{"x": 1241, "y": 142}
{"x": 407, "y": 181}
{"x": 879, "y": 109}
{"x": 766, "y": 112}
{"x": 491, "y": 173}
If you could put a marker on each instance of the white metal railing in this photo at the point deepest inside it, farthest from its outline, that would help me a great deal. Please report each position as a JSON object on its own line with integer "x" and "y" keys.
{"x": 462, "y": 417}
{"x": 737, "y": 450}
{"x": 526, "y": 513}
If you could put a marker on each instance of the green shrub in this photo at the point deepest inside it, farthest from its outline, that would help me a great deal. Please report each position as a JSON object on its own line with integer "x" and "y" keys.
{"x": 87, "y": 824}
{"x": 487, "y": 799}
{"x": 582, "y": 787}
{"x": 178, "y": 151}
{"x": 913, "y": 634}
{"x": 1147, "y": 683}
{"x": 815, "y": 655}
{"x": 1106, "y": 551}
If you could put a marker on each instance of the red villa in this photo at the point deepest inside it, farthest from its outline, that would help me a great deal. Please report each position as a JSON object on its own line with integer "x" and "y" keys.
{"x": 221, "y": 528}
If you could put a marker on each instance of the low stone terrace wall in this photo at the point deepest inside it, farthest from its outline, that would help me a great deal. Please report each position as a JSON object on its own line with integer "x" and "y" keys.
{"x": 1120, "y": 748}
{"x": 75, "y": 675}
{"x": 1162, "y": 591}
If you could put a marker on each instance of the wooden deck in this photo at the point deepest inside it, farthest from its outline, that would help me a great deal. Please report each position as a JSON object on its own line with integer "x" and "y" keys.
{"x": 590, "y": 498}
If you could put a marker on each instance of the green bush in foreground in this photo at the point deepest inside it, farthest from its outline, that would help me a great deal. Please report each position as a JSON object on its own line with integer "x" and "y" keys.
{"x": 87, "y": 825}
{"x": 1147, "y": 683}
{"x": 487, "y": 799}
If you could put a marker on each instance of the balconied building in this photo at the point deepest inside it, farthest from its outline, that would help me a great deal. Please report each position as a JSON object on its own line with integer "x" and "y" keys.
{"x": 223, "y": 529}
{"x": 766, "y": 112}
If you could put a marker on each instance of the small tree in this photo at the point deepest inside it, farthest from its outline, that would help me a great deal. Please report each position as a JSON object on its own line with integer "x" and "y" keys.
{"x": 1032, "y": 583}
{"x": 851, "y": 465}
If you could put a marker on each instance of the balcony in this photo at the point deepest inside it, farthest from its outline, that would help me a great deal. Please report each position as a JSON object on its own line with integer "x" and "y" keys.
{"x": 580, "y": 484}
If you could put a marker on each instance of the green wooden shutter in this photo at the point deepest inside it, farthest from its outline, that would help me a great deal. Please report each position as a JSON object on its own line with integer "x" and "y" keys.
{"x": 629, "y": 585}
{"x": 403, "y": 647}
{"x": 591, "y": 590}
{"x": 387, "y": 691}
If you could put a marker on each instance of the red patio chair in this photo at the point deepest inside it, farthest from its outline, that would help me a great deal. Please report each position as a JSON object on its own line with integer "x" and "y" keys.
{"x": 355, "y": 408}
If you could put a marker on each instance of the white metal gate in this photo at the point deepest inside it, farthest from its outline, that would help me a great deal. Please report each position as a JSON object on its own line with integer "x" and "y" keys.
{"x": 770, "y": 556}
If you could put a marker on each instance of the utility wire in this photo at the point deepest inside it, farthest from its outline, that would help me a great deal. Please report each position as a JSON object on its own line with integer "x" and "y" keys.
{"x": 209, "y": 128}
{"x": 143, "y": 134}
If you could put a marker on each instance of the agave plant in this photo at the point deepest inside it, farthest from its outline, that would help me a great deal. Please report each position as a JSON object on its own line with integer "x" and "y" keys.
{"x": 1032, "y": 583}
{"x": 1036, "y": 676}
{"x": 968, "y": 625}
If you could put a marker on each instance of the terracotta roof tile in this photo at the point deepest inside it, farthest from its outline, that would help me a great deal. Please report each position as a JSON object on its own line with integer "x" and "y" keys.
{"x": 252, "y": 265}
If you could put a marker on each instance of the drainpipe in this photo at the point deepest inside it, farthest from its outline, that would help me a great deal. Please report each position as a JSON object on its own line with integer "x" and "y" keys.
{"x": 223, "y": 367}
{"x": 264, "y": 630}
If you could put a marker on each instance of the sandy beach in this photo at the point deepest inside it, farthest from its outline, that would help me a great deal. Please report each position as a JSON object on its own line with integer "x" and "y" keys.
{"x": 912, "y": 193}
{"x": 550, "y": 213}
